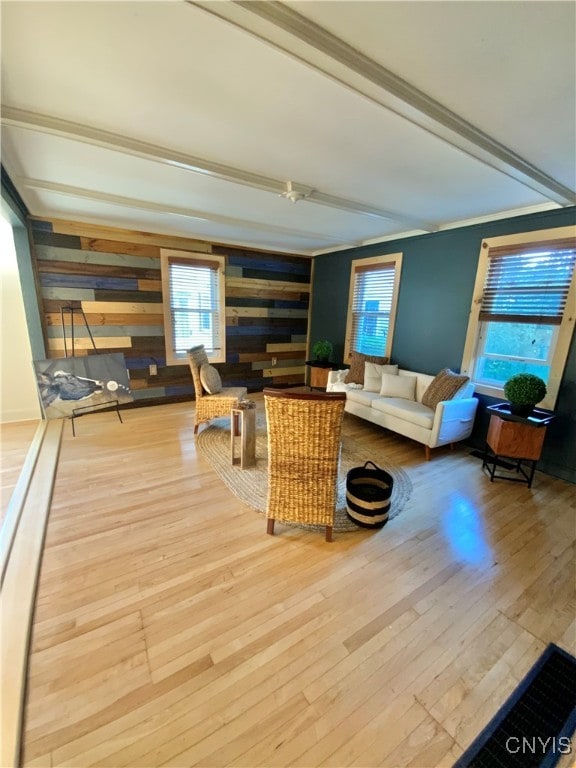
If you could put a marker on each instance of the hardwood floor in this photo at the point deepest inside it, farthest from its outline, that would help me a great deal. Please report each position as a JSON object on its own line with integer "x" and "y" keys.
{"x": 15, "y": 438}
{"x": 171, "y": 630}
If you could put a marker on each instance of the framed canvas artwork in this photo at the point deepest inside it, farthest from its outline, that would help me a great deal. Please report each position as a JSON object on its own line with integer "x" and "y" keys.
{"x": 69, "y": 383}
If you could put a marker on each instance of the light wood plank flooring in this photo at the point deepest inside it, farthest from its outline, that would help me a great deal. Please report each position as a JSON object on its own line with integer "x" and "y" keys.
{"x": 15, "y": 438}
{"x": 170, "y": 630}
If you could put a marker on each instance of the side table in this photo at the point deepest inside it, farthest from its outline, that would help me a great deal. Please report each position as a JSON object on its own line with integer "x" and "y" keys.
{"x": 243, "y": 426}
{"x": 515, "y": 437}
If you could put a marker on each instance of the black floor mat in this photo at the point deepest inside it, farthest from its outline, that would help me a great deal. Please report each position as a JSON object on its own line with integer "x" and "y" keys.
{"x": 533, "y": 728}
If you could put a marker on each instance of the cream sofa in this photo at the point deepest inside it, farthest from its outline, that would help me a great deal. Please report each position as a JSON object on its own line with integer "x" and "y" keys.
{"x": 451, "y": 420}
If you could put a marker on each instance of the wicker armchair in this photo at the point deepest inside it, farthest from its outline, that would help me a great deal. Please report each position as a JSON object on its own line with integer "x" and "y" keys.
{"x": 210, "y": 406}
{"x": 303, "y": 455}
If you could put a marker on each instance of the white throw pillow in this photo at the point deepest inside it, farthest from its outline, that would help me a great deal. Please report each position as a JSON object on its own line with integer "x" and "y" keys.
{"x": 398, "y": 386}
{"x": 210, "y": 379}
{"x": 373, "y": 375}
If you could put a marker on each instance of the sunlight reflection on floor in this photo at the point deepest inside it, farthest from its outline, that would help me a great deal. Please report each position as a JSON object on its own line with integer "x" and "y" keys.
{"x": 463, "y": 527}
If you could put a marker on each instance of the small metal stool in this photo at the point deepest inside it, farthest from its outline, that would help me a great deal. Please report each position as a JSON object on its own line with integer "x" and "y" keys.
{"x": 243, "y": 425}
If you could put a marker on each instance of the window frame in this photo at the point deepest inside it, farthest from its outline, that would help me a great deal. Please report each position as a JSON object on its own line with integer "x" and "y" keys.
{"x": 565, "y": 329}
{"x": 481, "y": 352}
{"x": 360, "y": 265}
{"x": 168, "y": 256}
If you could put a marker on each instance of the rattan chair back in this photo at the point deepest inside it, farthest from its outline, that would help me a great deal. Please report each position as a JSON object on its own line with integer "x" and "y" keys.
{"x": 304, "y": 431}
{"x": 210, "y": 406}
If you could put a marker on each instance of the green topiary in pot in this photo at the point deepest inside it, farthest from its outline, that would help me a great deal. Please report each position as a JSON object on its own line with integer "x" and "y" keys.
{"x": 523, "y": 391}
{"x": 322, "y": 350}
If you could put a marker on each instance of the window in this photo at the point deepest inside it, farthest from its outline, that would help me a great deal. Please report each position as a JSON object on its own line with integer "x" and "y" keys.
{"x": 193, "y": 292}
{"x": 372, "y": 305}
{"x": 523, "y": 310}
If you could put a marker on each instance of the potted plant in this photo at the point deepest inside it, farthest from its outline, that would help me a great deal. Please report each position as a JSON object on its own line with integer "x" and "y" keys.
{"x": 322, "y": 350}
{"x": 523, "y": 391}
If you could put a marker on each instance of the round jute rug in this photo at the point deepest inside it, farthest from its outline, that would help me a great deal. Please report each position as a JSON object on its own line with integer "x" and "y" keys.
{"x": 251, "y": 485}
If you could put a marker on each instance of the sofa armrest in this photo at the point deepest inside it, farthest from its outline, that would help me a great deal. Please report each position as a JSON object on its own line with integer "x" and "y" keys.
{"x": 335, "y": 382}
{"x": 453, "y": 421}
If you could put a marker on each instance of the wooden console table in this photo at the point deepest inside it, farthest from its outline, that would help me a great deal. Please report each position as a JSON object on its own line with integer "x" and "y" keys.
{"x": 515, "y": 437}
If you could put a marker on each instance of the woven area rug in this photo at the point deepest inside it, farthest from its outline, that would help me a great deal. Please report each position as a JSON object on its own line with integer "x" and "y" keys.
{"x": 251, "y": 485}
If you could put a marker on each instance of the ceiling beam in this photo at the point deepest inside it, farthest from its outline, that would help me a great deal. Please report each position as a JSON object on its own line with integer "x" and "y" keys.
{"x": 164, "y": 208}
{"x": 279, "y": 25}
{"x": 34, "y": 121}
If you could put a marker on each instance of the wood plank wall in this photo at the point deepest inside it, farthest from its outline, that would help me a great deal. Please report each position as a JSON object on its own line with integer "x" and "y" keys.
{"x": 114, "y": 276}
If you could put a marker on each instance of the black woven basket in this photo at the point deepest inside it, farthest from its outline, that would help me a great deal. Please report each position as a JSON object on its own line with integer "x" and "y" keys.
{"x": 368, "y": 495}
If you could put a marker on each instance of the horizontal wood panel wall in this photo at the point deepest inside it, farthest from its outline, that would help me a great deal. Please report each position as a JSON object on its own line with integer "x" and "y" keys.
{"x": 114, "y": 276}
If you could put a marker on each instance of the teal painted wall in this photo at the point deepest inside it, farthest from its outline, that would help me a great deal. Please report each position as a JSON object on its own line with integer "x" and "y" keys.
{"x": 25, "y": 269}
{"x": 438, "y": 274}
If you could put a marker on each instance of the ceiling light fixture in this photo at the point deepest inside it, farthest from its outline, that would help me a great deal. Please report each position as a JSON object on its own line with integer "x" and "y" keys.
{"x": 295, "y": 192}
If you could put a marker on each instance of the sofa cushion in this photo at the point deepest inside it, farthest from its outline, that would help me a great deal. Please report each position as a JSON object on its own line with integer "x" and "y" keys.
{"x": 443, "y": 387}
{"x": 398, "y": 386}
{"x": 362, "y": 397}
{"x": 210, "y": 379}
{"x": 356, "y": 371}
{"x": 408, "y": 410}
{"x": 373, "y": 375}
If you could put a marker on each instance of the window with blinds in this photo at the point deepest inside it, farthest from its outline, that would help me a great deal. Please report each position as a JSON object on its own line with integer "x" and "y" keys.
{"x": 528, "y": 285}
{"x": 523, "y": 318}
{"x": 372, "y": 306}
{"x": 194, "y": 311}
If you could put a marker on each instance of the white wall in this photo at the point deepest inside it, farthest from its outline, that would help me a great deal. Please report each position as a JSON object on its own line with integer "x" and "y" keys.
{"x": 18, "y": 392}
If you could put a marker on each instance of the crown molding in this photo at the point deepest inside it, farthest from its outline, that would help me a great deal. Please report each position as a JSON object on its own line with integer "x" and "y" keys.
{"x": 509, "y": 214}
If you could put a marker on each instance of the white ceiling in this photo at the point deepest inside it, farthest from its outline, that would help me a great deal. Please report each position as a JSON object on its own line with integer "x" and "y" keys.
{"x": 191, "y": 118}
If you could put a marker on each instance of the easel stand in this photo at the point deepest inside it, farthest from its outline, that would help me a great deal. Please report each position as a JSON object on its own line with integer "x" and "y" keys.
{"x": 71, "y": 311}
{"x": 77, "y": 412}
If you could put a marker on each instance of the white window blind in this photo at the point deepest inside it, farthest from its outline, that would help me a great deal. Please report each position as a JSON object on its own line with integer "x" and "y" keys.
{"x": 528, "y": 284}
{"x": 371, "y": 307}
{"x": 194, "y": 305}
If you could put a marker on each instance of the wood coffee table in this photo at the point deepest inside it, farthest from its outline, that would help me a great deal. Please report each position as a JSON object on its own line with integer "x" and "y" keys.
{"x": 243, "y": 425}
